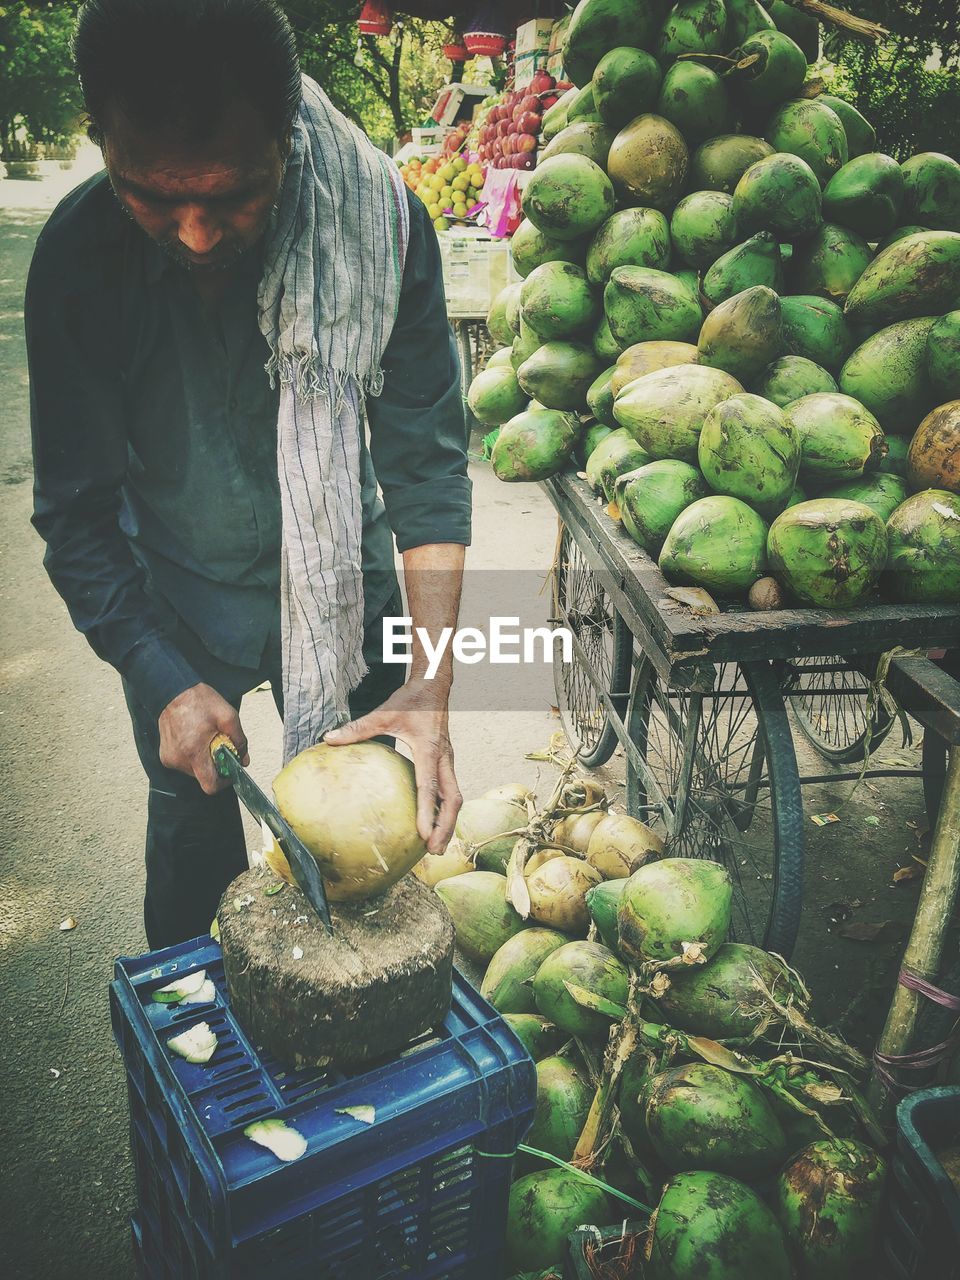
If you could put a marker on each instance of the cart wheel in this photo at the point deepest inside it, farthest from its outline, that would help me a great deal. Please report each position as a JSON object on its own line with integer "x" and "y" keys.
{"x": 934, "y": 757}
{"x": 720, "y": 778}
{"x": 829, "y": 703}
{"x": 581, "y": 604}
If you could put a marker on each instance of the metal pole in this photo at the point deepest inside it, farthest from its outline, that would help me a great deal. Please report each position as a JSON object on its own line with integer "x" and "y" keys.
{"x": 938, "y": 895}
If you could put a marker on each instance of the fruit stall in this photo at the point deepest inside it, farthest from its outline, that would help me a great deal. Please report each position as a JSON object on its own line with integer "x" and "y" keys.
{"x": 733, "y": 363}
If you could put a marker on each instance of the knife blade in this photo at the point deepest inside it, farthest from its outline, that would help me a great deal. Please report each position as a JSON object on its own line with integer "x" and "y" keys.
{"x": 302, "y": 863}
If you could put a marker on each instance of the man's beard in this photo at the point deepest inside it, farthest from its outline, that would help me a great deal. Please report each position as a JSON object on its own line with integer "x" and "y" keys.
{"x": 229, "y": 257}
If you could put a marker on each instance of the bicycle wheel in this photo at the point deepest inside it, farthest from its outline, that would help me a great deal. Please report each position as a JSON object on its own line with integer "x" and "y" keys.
{"x": 719, "y": 777}
{"x": 582, "y": 605}
{"x": 829, "y": 703}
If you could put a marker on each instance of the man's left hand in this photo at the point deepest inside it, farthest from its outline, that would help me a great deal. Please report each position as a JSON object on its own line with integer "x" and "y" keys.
{"x": 417, "y": 715}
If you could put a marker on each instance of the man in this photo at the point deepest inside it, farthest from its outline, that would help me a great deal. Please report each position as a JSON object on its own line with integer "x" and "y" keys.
{"x": 206, "y": 529}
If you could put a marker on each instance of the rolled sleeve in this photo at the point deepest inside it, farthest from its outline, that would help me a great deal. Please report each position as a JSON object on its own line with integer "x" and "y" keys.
{"x": 418, "y": 438}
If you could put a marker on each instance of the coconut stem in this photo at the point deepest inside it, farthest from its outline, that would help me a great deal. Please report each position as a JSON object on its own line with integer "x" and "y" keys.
{"x": 861, "y": 27}
{"x": 622, "y": 1046}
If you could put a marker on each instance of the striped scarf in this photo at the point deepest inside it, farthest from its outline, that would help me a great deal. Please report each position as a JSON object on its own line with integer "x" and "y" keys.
{"x": 328, "y": 300}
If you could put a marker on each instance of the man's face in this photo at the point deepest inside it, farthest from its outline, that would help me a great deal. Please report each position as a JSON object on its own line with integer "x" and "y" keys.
{"x": 204, "y": 203}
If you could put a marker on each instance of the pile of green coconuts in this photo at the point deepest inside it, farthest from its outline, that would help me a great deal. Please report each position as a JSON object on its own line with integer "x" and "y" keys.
{"x": 739, "y": 317}
{"x": 676, "y": 1070}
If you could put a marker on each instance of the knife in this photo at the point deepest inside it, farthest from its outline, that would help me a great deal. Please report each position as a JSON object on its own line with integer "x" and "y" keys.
{"x": 302, "y": 862}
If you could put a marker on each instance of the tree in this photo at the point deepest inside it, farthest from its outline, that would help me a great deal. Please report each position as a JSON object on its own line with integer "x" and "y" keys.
{"x": 908, "y": 86}
{"x": 38, "y": 88}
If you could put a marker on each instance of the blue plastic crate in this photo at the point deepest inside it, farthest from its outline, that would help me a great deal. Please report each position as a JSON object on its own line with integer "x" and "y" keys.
{"x": 410, "y": 1195}
{"x": 922, "y": 1233}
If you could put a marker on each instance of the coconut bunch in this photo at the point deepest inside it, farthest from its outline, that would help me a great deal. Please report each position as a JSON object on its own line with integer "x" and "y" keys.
{"x": 680, "y": 1067}
{"x": 736, "y": 314}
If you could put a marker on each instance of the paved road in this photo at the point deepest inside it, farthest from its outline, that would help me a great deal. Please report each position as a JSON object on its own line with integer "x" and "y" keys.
{"x": 72, "y": 814}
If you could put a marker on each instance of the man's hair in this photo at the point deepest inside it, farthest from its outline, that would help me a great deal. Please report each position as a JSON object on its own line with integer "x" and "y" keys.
{"x": 175, "y": 64}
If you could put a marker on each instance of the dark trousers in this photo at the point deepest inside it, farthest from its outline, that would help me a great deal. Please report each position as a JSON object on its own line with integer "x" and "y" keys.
{"x": 195, "y": 843}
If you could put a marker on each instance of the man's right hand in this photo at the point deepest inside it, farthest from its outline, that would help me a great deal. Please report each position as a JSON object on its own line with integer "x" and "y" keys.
{"x": 189, "y": 724}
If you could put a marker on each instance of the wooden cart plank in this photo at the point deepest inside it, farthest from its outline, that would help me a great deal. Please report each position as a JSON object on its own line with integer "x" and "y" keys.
{"x": 739, "y": 634}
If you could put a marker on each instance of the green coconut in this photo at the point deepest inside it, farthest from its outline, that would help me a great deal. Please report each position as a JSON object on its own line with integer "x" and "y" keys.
{"x": 755, "y": 261}
{"x": 479, "y": 827}
{"x": 943, "y": 357}
{"x": 559, "y": 374}
{"x": 495, "y": 396}
{"x": 828, "y": 552}
{"x": 888, "y": 374}
{"x": 648, "y": 162}
{"x": 555, "y": 117}
{"x": 829, "y": 263}
{"x": 524, "y": 345}
{"x": 582, "y": 105}
{"x": 924, "y": 541}
{"x": 664, "y": 410}
{"x": 600, "y": 403}
{"x": 557, "y": 302}
{"x": 881, "y": 492}
{"x": 895, "y": 461}
{"x": 719, "y": 163}
{"x": 587, "y": 138}
{"x": 772, "y": 68}
{"x": 603, "y": 903}
{"x": 587, "y": 965}
{"x": 718, "y": 543}
{"x": 647, "y": 357}
{"x": 808, "y": 128}
{"x": 781, "y": 194}
{"x": 605, "y": 346}
{"x": 652, "y": 497}
{"x": 743, "y": 334}
{"x": 597, "y": 26}
{"x": 861, "y": 135}
{"x": 530, "y": 248}
{"x": 839, "y": 438}
{"x": 498, "y": 323}
{"x": 702, "y": 227}
{"x": 829, "y": 1201}
{"x": 814, "y": 328}
{"x": 727, "y": 998}
{"x": 482, "y": 917}
{"x": 692, "y": 26}
{"x": 539, "y": 1037}
{"x": 534, "y": 445}
{"x": 932, "y": 191}
{"x": 500, "y": 359}
{"x": 563, "y": 1100}
{"x": 701, "y": 1117}
{"x": 508, "y": 982}
{"x": 568, "y": 196}
{"x": 625, "y": 84}
{"x": 709, "y": 1226}
{"x": 671, "y": 906}
{"x": 865, "y": 195}
{"x": 615, "y": 455}
{"x": 750, "y": 450}
{"x": 695, "y": 100}
{"x": 917, "y": 276}
{"x": 644, "y": 305}
{"x": 544, "y": 1208}
{"x": 745, "y": 18}
{"x": 511, "y": 308}
{"x": 630, "y": 238}
{"x": 791, "y": 377}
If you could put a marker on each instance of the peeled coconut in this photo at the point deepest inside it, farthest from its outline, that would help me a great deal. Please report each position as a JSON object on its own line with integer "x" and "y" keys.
{"x": 355, "y": 809}
{"x": 515, "y": 792}
{"x": 482, "y": 917}
{"x": 544, "y": 1208}
{"x": 435, "y": 867}
{"x": 677, "y": 907}
{"x": 558, "y": 892}
{"x": 508, "y": 982}
{"x": 583, "y": 964}
{"x": 574, "y": 831}
{"x": 701, "y": 1117}
{"x": 829, "y": 1200}
{"x": 481, "y": 828}
{"x": 540, "y": 857}
{"x": 620, "y": 844}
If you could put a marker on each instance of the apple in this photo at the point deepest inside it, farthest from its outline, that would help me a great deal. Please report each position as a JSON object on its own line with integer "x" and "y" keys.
{"x": 547, "y": 101}
{"x": 527, "y": 161}
{"x": 530, "y": 102}
{"x": 529, "y": 123}
{"x": 542, "y": 81}
{"x": 525, "y": 142}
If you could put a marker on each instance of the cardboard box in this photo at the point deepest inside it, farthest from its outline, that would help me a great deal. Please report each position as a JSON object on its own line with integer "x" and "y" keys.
{"x": 528, "y": 64}
{"x": 558, "y": 35}
{"x": 534, "y": 36}
{"x": 475, "y": 269}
